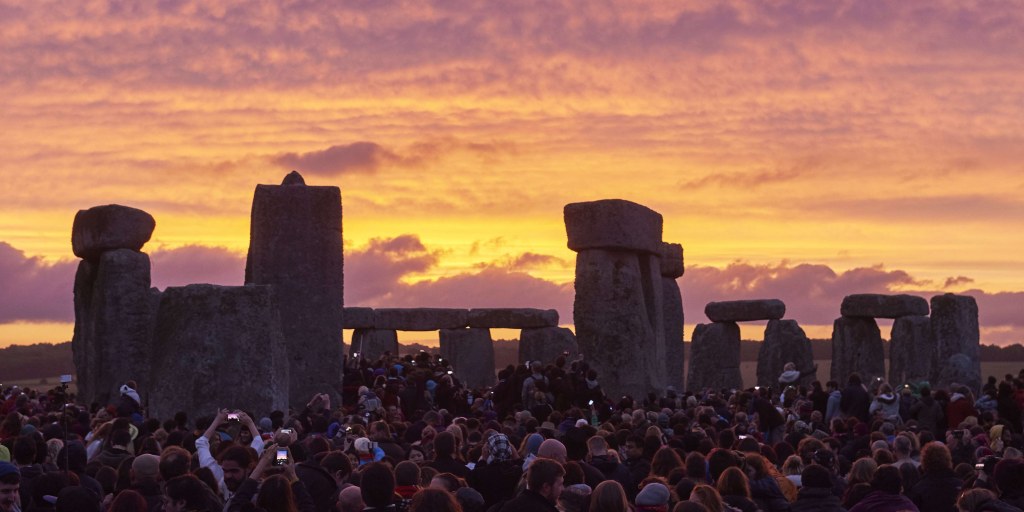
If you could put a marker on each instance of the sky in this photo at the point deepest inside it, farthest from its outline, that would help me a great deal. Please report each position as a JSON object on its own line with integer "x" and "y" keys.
{"x": 797, "y": 150}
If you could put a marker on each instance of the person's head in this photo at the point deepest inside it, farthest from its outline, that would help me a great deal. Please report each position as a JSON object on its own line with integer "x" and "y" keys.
{"x": 665, "y": 460}
{"x": 350, "y": 500}
{"x": 128, "y": 501}
{"x": 77, "y": 499}
{"x": 552, "y": 449}
{"x": 434, "y": 500}
{"x": 446, "y": 482}
{"x": 416, "y": 454}
{"x": 338, "y": 465}
{"x": 444, "y": 445}
{"x": 935, "y": 457}
{"x": 793, "y": 465}
{"x": 120, "y": 439}
{"x": 597, "y": 446}
{"x": 545, "y": 477}
{"x": 862, "y": 470}
{"x": 10, "y": 487}
{"x": 183, "y": 493}
{"x": 145, "y": 468}
{"x": 815, "y": 476}
{"x": 733, "y": 482}
{"x": 707, "y": 496}
{"x": 973, "y": 499}
{"x": 609, "y": 496}
{"x": 887, "y": 478}
{"x": 174, "y": 461}
{"x": 377, "y": 485}
{"x": 276, "y": 495}
{"x": 24, "y": 452}
{"x": 634, "y": 447}
{"x": 407, "y": 473}
{"x": 757, "y": 466}
{"x": 236, "y": 462}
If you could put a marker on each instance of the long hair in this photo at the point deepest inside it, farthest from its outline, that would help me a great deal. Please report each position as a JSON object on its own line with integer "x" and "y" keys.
{"x": 665, "y": 460}
{"x": 609, "y": 496}
{"x": 129, "y": 501}
{"x": 434, "y": 500}
{"x": 707, "y": 496}
{"x": 734, "y": 483}
{"x": 276, "y": 495}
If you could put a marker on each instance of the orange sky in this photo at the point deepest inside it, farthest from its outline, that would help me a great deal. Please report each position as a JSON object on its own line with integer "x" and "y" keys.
{"x": 846, "y": 135}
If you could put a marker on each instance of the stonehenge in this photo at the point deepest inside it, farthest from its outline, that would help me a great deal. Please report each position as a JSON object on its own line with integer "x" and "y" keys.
{"x": 217, "y": 347}
{"x": 672, "y": 268}
{"x": 618, "y": 308}
{"x": 745, "y": 310}
{"x": 114, "y": 304}
{"x": 874, "y": 305}
{"x": 911, "y": 339}
{"x": 295, "y": 245}
{"x": 715, "y": 357}
{"x": 547, "y": 344}
{"x": 471, "y": 354}
{"x": 956, "y": 334}
{"x": 784, "y": 342}
{"x": 857, "y": 347}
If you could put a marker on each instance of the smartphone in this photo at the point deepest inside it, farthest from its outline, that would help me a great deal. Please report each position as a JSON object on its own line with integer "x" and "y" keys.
{"x": 65, "y": 379}
{"x": 232, "y": 416}
{"x": 286, "y": 431}
{"x": 591, "y": 403}
{"x": 282, "y": 457}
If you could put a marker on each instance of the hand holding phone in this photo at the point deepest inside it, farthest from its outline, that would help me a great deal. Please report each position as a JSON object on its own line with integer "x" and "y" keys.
{"x": 281, "y": 458}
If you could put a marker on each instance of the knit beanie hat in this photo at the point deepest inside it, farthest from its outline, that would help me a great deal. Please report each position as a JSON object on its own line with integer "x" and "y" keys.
{"x": 653, "y": 494}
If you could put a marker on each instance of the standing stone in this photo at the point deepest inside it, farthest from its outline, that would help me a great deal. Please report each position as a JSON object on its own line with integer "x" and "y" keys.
{"x": 113, "y": 325}
{"x": 420, "y": 319}
{"x": 672, "y": 313}
{"x": 715, "y": 357}
{"x": 618, "y": 315}
{"x": 745, "y": 310}
{"x": 370, "y": 344}
{"x": 613, "y": 224}
{"x": 471, "y": 353}
{"x": 546, "y": 344}
{"x": 875, "y": 305}
{"x": 111, "y": 227}
{"x": 857, "y": 347}
{"x": 784, "y": 342}
{"x": 219, "y": 347}
{"x": 296, "y": 246}
{"x": 911, "y": 346}
{"x": 955, "y": 326}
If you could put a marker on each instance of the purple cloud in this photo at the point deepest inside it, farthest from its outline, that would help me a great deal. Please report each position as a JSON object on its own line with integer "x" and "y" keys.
{"x": 35, "y": 290}
{"x": 365, "y": 157}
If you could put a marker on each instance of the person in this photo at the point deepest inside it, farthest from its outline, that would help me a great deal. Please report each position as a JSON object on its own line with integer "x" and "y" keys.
{"x": 277, "y": 493}
{"x": 982, "y": 500}
{"x": 496, "y": 474}
{"x": 609, "y": 496}
{"x": 653, "y": 497}
{"x": 902, "y": 449}
{"x": 445, "y": 456}
{"x": 10, "y": 486}
{"x": 117, "y": 452}
{"x": 791, "y": 376}
{"x": 184, "y": 494}
{"x": 855, "y": 400}
{"x": 927, "y": 412}
{"x": 235, "y": 462}
{"x": 885, "y": 405}
{"x": 132, "y": 501}
{"x": 544, "y": 481}
{"x": 350, "y": 499}
{"x": 734, "y": 487}
{"x": 377, "y": 487}
{"x": 608, "y": 465}
{"x": 885, "y": 496}
{"x": 815, "y": 494}
{"x": 764, "y": 488}
{"x": 145, "y": 479}
{"x": 535, "y": 382}
{"x": 834, "y": 399}
{"x": 709, "y": 498}
{"x": 434, "y": 500}
{"x": 938, "y": 488}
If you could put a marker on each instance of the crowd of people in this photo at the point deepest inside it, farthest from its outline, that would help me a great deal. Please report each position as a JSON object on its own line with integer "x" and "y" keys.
{"x": 409, "y": 436}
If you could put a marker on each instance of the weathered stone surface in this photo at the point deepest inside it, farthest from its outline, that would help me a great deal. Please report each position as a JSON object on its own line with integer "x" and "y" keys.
{"x": 358, "y": 318}
{"x": 546, "y": 344}
{"x": 613, "y": 224}
{"x": 293, "y": 178}
{"x": 857, "y": 347}
{"x": 955, "y": 327}
{"x": 110, "y": 227}
{"x": 113, "y": 325}
{"x": 420, "y": 319}
{"x": 471, "y": 352}
{"x": 520, "y": 318}
{"x": 960, "y": 370}
{"x": 296, "y": 246}
{"x": 672, "y": 260}
{"x": 672, "y": 318}
{"x": 745, "y": 310}
{"x": 911, "y": 347}
{"x": 873, "y": 305}
{"x": 784, "y": 342}
{"x": 618, "y": 318}
{"x": 370, "y": 344}
{"x": 219, "y": 347}
{"x": 715, "y": 357}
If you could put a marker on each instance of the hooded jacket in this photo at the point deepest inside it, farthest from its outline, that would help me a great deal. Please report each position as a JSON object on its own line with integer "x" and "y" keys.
{"x": 887, "y": 405}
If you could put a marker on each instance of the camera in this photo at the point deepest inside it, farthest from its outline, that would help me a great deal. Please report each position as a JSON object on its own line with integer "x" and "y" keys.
{"x": 286, "y": 431}
{"x": 65, "y": 379}
{"x": 591, "y": 403}
{"x": 282, "y": 457}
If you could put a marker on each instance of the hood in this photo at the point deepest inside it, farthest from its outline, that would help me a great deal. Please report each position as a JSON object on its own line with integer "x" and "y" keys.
{"x": 956, "y": 396}
{"x": 789, "y": 376}
{"x": 886, "y": 398}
